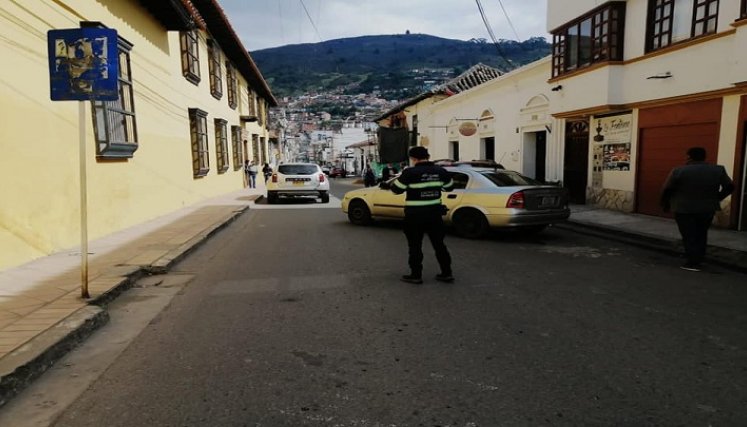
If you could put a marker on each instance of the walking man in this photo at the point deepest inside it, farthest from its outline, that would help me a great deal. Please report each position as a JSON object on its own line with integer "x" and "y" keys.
{"x": 694, "y": 192}
{"x": 423, "y": 183}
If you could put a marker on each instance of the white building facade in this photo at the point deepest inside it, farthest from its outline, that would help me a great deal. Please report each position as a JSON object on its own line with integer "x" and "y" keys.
{"x": 635, "y": 84}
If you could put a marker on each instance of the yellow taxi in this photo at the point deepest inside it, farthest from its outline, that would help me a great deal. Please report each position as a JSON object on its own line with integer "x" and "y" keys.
{"x": 482, "y": 198}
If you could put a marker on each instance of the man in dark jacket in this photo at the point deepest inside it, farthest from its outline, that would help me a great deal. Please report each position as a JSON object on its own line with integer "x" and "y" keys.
{"x": 423, "y": 183}
{"x": 694, "y": 192}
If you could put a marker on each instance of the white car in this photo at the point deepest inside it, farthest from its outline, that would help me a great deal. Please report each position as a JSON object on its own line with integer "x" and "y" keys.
{"x": 298, "y": 180}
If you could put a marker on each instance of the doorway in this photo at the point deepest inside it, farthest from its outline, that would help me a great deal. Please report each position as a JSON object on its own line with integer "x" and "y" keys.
{"x": 487, "y": 148}
{"x": 535, "y": 154}
{"x": 454, "y": 150}
{"x": 742, "y": 226}
{"x": 576, "y": 166}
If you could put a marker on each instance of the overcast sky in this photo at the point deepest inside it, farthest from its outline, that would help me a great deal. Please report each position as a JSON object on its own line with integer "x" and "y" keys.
{"x": 269, "y": 23}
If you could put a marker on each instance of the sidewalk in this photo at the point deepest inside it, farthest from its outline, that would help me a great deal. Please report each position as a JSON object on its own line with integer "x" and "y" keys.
{"x": 41, "y": 313}
{"x": 727, "y": 248}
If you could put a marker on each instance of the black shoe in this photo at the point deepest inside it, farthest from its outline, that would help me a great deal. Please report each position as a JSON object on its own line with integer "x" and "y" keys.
{"x": 447, "y": 278}
{"x": 409, "y": 278}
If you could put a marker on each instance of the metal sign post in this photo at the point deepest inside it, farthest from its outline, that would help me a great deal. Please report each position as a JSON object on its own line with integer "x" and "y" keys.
{"x": 83, "y": 66}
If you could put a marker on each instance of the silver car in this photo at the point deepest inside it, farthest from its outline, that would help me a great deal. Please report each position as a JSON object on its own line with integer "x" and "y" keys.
{"x": 482, "y": 198}
{"x": 298, "y": 180}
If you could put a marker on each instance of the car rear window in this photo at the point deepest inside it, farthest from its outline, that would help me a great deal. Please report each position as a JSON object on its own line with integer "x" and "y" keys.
{"x": 510, "y": 179}
{"x": 298, "y": 169}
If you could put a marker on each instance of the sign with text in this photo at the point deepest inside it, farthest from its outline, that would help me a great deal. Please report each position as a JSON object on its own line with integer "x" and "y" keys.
{"x": 613, "y": 129}
{"x": 83, "y": 64}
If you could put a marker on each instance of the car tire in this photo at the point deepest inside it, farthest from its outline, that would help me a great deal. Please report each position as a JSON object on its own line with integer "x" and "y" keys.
{"x": 358, "y": 213}
{"x": 324, "y": 197}
{"x": 470, "y": 223}
{"x": 272, "y": 197}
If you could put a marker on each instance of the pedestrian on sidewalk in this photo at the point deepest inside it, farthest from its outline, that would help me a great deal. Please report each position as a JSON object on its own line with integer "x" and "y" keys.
{"x": 694, "y": 192}
{"x": 267, "y": 171}
{"x": 423, "y": 183}
{"x": 250, "y": 169}
{"x": 369, "y": 179}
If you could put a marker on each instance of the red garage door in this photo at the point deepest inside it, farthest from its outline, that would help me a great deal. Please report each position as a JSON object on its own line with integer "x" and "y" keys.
{"x": 665, "y": 135}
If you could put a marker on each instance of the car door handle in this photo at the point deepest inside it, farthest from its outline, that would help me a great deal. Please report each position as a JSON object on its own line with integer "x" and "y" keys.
{"x": 451, "y": 196}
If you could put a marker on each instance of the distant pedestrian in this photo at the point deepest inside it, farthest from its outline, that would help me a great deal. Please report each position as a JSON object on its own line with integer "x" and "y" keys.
{"x": 250, "y": 170}
{"x": 694, "y": 192}
{"x": 423, "y": 183}
{"x": 369, "y": 178}
{"x": 388, "y": 172}
{"x": 267, "y": 171}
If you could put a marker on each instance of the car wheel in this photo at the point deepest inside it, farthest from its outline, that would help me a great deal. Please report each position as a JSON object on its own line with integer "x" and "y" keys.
{"x": 272, "y": 197}
{"x": 358, "y": 213}
{"x": 324, "y": 197}
{"x": 470, "y": 223}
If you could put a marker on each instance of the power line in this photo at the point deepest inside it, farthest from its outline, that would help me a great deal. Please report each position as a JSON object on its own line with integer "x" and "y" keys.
{"x": 511, "y": 24}
{"x": 311, "y": 20}
{"x": 492, "y": 35}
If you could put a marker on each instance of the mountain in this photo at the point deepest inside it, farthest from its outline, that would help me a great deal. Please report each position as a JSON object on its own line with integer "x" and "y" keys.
{"x": 396, "y": 65}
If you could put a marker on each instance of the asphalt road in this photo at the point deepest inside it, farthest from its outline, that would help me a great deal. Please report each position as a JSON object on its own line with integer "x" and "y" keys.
{"x": 295, "y": 317}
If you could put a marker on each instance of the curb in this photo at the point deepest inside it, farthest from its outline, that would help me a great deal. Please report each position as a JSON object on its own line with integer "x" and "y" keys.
{"x": 25, "y": 364}
{"x": 724, "y": 257}
{"x": 164, "y": 263}
{"x": 28, "y": 362}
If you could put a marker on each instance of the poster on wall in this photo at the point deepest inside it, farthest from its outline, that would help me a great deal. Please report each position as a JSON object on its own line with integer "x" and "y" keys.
{"x": 616, "y": 157}
{"x": 613, "y": 133}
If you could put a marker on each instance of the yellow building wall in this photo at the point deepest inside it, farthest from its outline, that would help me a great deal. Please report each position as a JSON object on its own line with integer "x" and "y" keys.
{"x": 39, "y": 170}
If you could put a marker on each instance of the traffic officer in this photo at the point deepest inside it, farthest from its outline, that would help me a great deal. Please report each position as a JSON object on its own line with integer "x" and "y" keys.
{"x": 423, "y": 183}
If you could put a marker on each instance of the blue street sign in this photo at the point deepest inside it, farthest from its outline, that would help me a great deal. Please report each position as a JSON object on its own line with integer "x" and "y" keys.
{"x": 83, "y": 64}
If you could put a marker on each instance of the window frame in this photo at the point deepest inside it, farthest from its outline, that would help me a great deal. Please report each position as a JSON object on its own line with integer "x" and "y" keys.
{"x": 238, "y": 147}
{"x": 233, "y": 85}
{"x": 200, "y": 148}
{"x": 660, "y": 28}
{"x": 114, "y": 122}
{"x": 214, "y": 70}
{"x": 221, "y": 145}
{"x": 606, "y": 37}
{"x": 190, "y": 50}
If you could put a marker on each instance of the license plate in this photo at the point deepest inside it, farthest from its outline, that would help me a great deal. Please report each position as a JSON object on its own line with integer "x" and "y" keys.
{"x": 298, "y": 183}
{"x": 547, "y": 201}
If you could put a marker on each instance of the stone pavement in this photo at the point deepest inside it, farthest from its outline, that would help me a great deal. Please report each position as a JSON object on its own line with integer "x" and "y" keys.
{"x": 42, "y": 315}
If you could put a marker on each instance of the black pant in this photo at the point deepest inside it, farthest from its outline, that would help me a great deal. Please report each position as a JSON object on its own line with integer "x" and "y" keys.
{"x": 694, "y": 230}
{"x": 419, "y": 222}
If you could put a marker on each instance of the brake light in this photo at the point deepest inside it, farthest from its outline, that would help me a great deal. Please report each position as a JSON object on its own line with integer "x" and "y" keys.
{"x": 274, "y": 177}
{"x": 516, "y": 200}
{"x": 321, "y": 177}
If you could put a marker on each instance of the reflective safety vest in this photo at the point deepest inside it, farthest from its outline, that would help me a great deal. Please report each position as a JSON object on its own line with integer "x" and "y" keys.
{"x": 423, "y": 184}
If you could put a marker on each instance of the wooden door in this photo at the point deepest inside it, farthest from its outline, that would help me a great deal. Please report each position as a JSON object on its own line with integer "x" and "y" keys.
{"x": 576, "y": 167}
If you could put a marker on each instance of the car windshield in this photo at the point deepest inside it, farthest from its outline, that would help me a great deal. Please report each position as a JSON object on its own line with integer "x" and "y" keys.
{"x": 297, "y": 169}
{"x": 509, "y": 179}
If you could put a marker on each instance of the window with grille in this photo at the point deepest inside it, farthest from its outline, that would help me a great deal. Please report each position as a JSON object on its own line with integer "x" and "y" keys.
{"x": 593, "y": 38}
{"x": 233, "y": 85}
{"x": 216, "y": 77}
{"x": 114, "y": 121}
{"x": 673, "y": 21}
{"x": 190, "y": 56}
{"x": 238, "y": 147}
{"x": 198, "y": 130}
{"x": 221, "y": 144}
{"x": 252, "y": 104}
